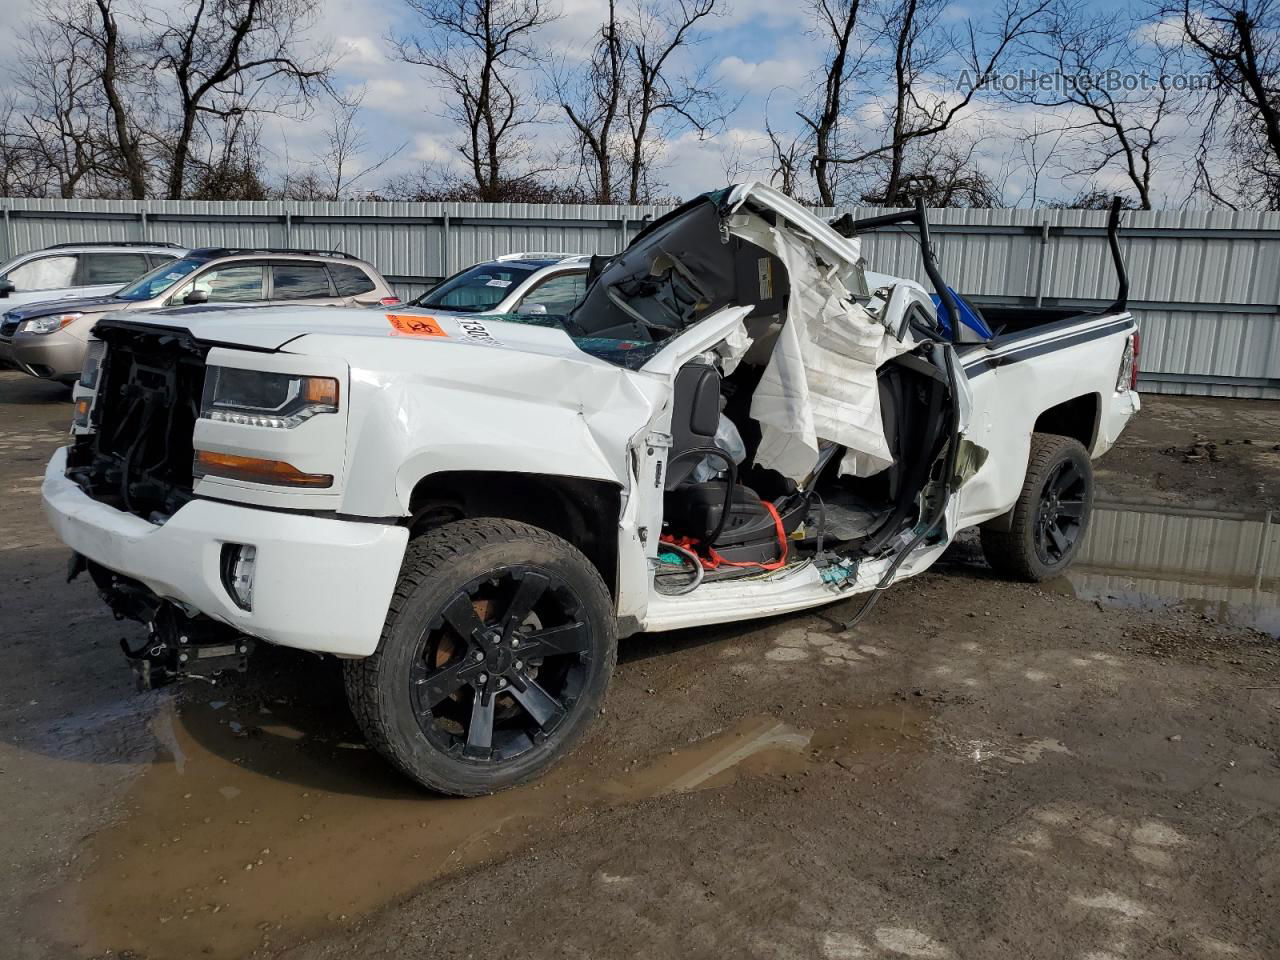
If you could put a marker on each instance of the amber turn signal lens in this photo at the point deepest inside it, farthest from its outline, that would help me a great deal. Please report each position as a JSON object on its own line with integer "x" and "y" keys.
{"x": 275, "y": 472}
{"x": 321, "y": 391}
{"x": 82, "y": 410}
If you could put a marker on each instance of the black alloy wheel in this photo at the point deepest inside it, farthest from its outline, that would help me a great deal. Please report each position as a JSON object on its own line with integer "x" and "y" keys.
{"x": 1059, "y": 518}
{"x": 501, "y": 667}
{"x": 1039, "y": 537}
{"x": 494, "y": 659}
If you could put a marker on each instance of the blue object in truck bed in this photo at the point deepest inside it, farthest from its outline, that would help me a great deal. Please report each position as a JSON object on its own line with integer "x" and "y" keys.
{"x": 973, "y": 328}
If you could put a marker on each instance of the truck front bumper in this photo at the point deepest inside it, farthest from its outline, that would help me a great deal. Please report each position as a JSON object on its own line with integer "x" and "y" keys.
{"x": 319, "y": 584}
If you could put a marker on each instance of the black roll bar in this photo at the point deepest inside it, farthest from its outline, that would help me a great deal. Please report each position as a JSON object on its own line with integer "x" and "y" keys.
{"x": 1113, "y": 239}
{"x": 848, "y": 227}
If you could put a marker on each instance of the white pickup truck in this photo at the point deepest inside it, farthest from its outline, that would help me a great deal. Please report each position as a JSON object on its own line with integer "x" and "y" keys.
{"x": 737, "y": 421}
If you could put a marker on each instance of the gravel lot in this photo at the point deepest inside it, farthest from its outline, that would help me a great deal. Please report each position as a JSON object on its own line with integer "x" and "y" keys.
{"x": 982, "y": 770}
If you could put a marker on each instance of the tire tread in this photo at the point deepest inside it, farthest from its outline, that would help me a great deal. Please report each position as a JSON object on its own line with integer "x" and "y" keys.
{"x": 434, "y": 551}
{"x": 1009, "y": 552}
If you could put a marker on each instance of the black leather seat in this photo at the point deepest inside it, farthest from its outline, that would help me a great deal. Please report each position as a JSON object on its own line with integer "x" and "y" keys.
{"x": 694, "y": 419}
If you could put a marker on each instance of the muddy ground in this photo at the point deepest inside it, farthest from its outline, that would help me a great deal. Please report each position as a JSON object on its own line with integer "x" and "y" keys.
{"x": 1222, "y": 454}
{"x": 981, "y": 770}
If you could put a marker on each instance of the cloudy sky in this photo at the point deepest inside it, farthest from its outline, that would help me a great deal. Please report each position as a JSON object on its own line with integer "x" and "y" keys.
{"x": 760, "y": 51}
{"x": 761, "y": 57}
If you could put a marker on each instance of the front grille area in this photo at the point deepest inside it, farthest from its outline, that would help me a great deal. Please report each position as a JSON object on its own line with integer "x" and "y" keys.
{"x": 9, "y": 327}
{"x": 139, "y": 457}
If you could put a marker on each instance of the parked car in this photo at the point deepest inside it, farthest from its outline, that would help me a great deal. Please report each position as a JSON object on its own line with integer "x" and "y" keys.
{"x": 79, "y": 270}
{"x": 538, "y": 283}
{"x": 470, "y": 510}
{"x": 48, "y": 340}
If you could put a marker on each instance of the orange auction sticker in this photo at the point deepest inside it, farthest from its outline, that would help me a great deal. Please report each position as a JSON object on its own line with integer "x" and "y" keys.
{"x": 408, "y": 325}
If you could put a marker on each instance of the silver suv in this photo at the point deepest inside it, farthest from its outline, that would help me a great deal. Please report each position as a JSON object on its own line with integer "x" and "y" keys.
{"x": 79, "y": 270}
{"x": 550, "y": 283}
{"x": 48, "y": 340}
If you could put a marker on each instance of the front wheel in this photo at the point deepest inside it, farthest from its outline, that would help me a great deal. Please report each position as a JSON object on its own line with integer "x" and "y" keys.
{"x": 494, "y": 659}
{"x": 1042, "y": 536}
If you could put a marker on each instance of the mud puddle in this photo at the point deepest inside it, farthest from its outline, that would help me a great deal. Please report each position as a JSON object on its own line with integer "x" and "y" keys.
{"x": 1220, "y": 565}
{"x": 252, "y": 830}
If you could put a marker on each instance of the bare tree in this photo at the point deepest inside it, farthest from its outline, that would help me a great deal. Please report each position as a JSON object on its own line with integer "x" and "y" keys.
{"x": 1034, "y": 160}
{"x": 343, "y": 162}
{"x": 220, "y": 54}
{"x": 60, "y": 130}
{"x": 334, "y": 174}
{"x": 592, "y": 100}
{"x": 1092, "y": 198}
{"x": 1121, "y": 125}
{"x": 664, "y": 100}
{"x": 786, "y": 160}
{"x": 432, "y": 184}
{"x": 837, "y": 21}
{"x": 136, "y": 95}
{"x": 230, "y": 165}
{"x": 1239, "y": 43}
{"x": 89, "y": 32}
{"x": 480, "y": 48}
{"x": 922, "y": 56}
{"x": 117, "y": 69}
{"x": 21, "y": 175}
{"x": 946, "y": 176}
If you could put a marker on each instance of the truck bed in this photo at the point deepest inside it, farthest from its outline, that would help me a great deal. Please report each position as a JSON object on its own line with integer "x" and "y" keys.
{"x": 1017, "y": 319}
{"x": 1024, "y": 332}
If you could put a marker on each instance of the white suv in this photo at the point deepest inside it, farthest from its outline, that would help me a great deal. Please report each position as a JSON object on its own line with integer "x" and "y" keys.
{"x": 79, "y": 270}
{"x": 540, "y": 283}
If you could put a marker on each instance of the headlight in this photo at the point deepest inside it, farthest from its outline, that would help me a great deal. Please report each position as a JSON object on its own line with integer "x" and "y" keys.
{"x": 93, "y": 355}
{"x": 49, "y": 324}
{"x": 254, "y": 398}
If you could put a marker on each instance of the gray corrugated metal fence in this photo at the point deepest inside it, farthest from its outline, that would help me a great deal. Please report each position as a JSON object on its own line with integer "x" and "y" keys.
{"x": 1204, "y": 285}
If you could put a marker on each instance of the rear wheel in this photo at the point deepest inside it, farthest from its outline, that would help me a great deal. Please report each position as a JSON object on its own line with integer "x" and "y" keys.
{"x": 1051, "y": 517}
{"x": 494, "y": 659}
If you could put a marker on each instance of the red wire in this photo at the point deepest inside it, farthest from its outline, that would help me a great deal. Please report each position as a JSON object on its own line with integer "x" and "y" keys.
{"x": 714, "y": 560}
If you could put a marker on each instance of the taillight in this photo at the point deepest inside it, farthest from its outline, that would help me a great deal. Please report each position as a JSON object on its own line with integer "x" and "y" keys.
{"x": 1133, "y": 374}
{"x": 390, "y": 301}
{"x": 1127, "y": 378}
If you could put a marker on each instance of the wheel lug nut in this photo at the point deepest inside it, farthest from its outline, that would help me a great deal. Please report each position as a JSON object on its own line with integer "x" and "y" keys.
{"x": 479, "y": 656}
{"x": 519, "y": 665}
{"x": 483, "y": 678}
{"x": 515, "y": 641}
{"x": 501, "y": 682}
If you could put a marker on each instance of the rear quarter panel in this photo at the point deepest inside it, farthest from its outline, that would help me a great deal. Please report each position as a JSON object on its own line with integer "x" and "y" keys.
{"x": 1029, "y": 376}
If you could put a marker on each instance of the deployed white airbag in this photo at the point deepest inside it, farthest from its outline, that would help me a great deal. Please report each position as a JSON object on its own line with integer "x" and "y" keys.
{"x": 820, "y": 381}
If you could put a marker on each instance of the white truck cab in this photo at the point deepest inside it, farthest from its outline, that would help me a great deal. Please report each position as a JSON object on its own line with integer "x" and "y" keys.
{"x": 736, "y": 421}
